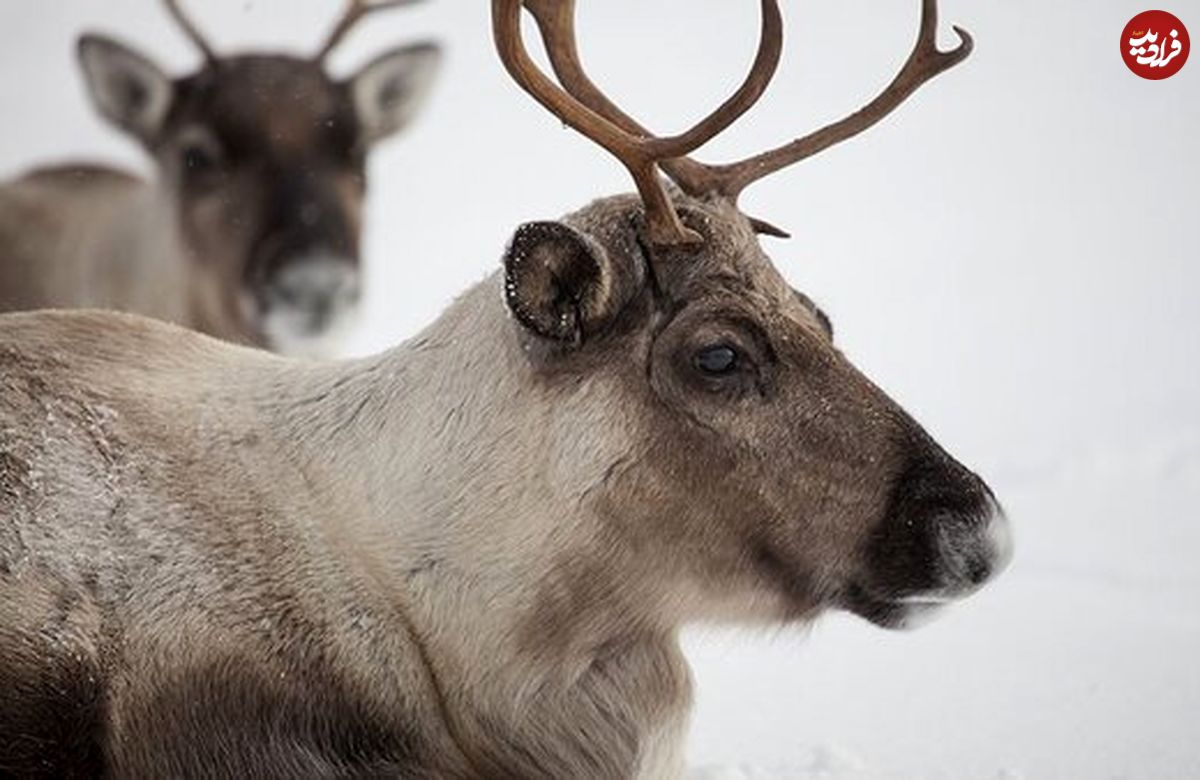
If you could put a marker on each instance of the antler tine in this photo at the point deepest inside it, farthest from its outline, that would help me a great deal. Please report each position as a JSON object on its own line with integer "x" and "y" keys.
{"x": 662, "y": 221}
{"x": 354, "y": 13}
{"x": 590, "y": 112}
{"x": 556, "y": 21}
{"x": 190, "y": 30}
{"x": 924, "y": 63}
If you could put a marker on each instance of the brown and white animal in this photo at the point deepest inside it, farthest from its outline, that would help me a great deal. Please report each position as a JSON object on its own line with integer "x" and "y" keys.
{"x": 250, "y": 229}
{"x": 469, "y": 557}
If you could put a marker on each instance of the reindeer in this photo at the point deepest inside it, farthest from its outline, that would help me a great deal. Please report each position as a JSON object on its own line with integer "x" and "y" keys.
{"x": 250, "y": 230}
{"x": 471, "y": 556}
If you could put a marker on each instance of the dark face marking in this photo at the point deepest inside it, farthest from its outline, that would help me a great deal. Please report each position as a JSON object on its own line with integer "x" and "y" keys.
{"x": 268, "y": 157}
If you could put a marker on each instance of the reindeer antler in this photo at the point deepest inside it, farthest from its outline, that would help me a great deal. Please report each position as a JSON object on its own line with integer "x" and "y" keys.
{"x": 597, "y": 118}
{"x": 556, "y": 20}
{"x": 354, "y": 13}
{"x": 190, "y": 30}
{"x": 924, "y": 63}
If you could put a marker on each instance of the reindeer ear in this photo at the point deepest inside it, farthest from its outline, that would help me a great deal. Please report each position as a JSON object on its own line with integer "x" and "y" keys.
{"x": 129, "y": 90}
{"x": 563, "y": 285}
{"x": 390, "y": 91}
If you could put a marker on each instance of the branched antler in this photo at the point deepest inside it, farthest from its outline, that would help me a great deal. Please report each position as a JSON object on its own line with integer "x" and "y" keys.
{"x": 924, "y": 63}
{"x": 599, "y": 119}
{"x": 556, "y": 22}
{"x": 355, "y": 11}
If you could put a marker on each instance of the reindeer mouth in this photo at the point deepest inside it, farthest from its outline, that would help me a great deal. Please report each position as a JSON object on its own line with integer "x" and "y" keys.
{"x": 928, "y": 554}
{"x": 305, "y": 306}
{"x": 895, "y": 612}
{"x": 961, "y": 568}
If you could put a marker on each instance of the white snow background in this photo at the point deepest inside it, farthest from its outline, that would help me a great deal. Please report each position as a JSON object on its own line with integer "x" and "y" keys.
{"x": 1012, "y": 255}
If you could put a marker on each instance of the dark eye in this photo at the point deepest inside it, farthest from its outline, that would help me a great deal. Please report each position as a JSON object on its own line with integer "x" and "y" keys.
{"x": 716, "y": 361}
{"x": 198, "y": 159}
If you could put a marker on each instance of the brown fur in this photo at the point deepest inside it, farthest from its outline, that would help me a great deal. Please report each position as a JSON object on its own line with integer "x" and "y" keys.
{"x": 468, "y": 557}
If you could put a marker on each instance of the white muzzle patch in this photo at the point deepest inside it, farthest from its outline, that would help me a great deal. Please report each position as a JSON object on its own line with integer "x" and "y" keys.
{"x": 310, "y": 305}
{"x": 970, "y": 558}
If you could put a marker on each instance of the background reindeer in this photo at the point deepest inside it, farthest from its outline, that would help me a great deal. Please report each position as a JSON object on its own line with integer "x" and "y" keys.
{"x": 470, "y": 556}
{"x": 250, "y": 231}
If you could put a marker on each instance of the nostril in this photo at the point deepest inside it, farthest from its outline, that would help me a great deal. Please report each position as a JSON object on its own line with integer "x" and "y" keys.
{"x": 979, "y": 571}
{"x": 287, "y": 294}
{"x": 974, "y": 548}
{"x": 316, "y": 283}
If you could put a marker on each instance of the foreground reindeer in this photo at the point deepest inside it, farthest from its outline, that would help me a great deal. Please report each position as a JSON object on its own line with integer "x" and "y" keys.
{"x": 468, "y": 557}
{"x": 250, "y": 232}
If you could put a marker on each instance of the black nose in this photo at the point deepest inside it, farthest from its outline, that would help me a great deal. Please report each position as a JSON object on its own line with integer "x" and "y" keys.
{"x": 936, "y": 535}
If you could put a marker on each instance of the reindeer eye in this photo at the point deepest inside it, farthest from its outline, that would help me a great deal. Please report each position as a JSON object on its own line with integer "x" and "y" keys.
{"x": 716, "y": 361}
{"x": 198, "y": 159}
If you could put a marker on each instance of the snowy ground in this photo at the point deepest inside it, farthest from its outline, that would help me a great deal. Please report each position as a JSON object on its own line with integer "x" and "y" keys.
{"x": 1013, "y": 255}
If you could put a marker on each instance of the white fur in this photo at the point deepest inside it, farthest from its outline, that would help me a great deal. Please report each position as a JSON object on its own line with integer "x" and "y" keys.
{"x": 303, "y": 286}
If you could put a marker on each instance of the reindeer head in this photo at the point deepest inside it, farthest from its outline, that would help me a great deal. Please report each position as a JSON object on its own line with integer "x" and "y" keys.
{"x": 264, "y": 156}
{"x": 766, "y": 463}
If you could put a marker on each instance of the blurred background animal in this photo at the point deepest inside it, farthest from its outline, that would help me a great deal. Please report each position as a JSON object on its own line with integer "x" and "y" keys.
{"x": 250, "y": 229}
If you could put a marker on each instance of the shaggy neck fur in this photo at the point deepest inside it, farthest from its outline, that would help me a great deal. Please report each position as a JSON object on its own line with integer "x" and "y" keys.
{"x": 489, "y": 492}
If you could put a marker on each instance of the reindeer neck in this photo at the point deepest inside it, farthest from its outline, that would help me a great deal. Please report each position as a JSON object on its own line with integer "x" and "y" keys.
{"x": 466, "y": 462}
{"x": 478, "y": 481}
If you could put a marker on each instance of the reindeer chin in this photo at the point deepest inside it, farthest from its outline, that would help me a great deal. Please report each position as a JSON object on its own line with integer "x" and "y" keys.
{"x": 298, "y": 333}
{"x": 309, "y": 307}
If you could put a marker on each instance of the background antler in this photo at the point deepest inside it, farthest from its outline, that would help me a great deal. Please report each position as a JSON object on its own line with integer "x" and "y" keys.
{"x": 556, "y": 20}
{"x": 597, "y": 118}
{"x": 354, "y": 13}
{"x": 190, "y": 30}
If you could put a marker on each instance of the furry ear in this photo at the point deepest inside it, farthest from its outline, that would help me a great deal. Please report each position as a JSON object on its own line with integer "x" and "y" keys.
{"x": 127, "y": 89}
{"x": 390, "y": 91}
{"x": 561, "y": 284}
